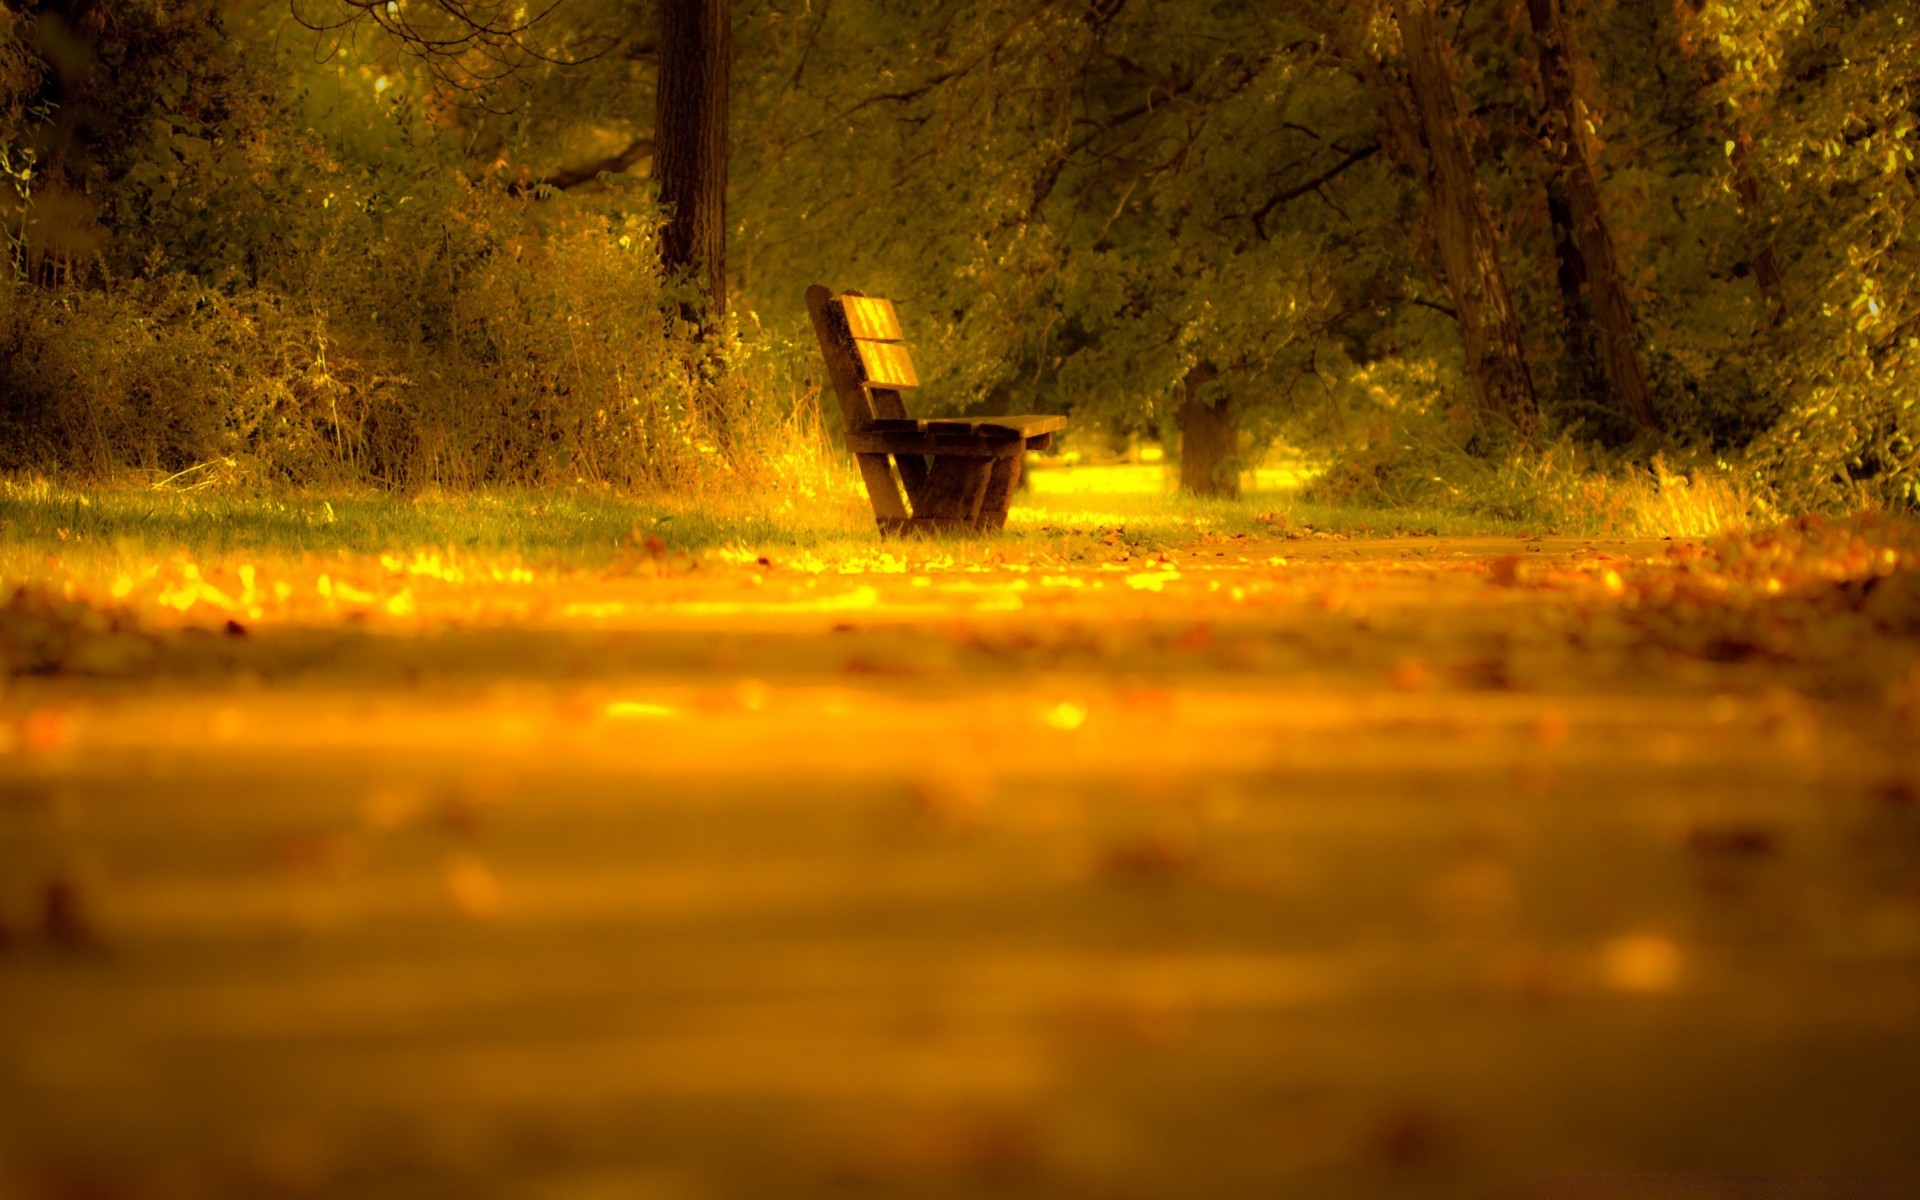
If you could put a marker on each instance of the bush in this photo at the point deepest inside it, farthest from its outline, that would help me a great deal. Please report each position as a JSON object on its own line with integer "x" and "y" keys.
{"x": 523, "y": 343}
{"x": 1562, "y": 488}
{"x": 277, "y": 306}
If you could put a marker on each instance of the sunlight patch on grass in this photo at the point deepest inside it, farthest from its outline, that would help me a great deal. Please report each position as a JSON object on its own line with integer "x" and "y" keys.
{"x": 1152, "y": 479}
{"x": 1115, "y": 479}
{"x": 1703, "y": 504}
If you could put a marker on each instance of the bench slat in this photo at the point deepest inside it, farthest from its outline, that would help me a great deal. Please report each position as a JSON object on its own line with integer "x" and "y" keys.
{"x": 1025, "y": 425}
{"x": 886, "y": 365}
{"x": 926, "y": 443}
{"x": 871, "y": 318}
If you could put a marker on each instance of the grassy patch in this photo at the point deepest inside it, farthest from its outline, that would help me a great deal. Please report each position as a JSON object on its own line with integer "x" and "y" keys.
{"x": 1068, "y": 512}
{"x": 580, "y": 528}
{"x": 588, "y": 528}
{"x": 1562, "y": 488}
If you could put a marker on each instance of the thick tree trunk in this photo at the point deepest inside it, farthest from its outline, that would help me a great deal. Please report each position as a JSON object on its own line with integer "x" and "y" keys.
{"x": 1432, "y": 138}
{"x": 1209, "y": 438}
{"x": 1582, "y": 334}
{"x": 1600, "y": 327}
{"x": 690, "y": 142}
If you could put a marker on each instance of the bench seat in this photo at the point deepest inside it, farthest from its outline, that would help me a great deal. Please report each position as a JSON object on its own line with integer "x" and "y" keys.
{"x": 968, "y": 437}
{"x": 1025, "y": 426}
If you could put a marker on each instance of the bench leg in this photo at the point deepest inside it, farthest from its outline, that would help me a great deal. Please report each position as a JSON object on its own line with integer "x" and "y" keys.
{"x": 1001, "y": 482}
{"x": 882, "y": 490}
{"x": 955, "y": 486}
{"x": 913, "y": 474}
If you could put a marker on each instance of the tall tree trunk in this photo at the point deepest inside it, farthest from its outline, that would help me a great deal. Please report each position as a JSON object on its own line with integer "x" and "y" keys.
{"x": 690, "y": 142}
{"x": 1599, "y": 314}
{"x": 1582, "y": 334}
{"x": 1209, "y": 438}
{"x": 1430, "y": 131}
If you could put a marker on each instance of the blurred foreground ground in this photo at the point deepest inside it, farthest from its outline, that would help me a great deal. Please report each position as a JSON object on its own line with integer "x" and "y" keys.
{"x": 1285, "y": 866}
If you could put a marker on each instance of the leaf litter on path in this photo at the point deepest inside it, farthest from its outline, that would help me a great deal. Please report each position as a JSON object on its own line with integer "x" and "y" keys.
{"x": 1196, "y": 869}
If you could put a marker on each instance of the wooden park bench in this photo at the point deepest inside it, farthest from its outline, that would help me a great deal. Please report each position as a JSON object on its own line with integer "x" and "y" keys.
{"x": 957, "y": 473}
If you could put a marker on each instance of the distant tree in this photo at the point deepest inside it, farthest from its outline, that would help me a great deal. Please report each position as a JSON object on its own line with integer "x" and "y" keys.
{"x": 478, "y": 47}
{"x": 1425, "y": 115}
{"x": 1601, "y": 334}
{"x": 691, "y": 142}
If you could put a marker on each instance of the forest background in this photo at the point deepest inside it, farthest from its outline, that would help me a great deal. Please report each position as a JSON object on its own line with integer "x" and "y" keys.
{"x": 1490, "y": 254}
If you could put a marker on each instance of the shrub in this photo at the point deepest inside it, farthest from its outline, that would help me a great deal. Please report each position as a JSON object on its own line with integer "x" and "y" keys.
{"x": 278, "y": 306}
{"x": 484, "y": 340}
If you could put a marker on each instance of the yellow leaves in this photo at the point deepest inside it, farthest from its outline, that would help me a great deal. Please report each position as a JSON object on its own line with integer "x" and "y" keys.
{"x": 752, "y": 695}
{"x": 1412, "y": 675}
{"x": 1641, "y": 962}
{"x": 640, "y": 710}
{"x": 853, "y": 601}
{"x": 472, "y": 886}
{"x": 880, "y": 564}
{"x": 1154, "y": 581}
{"x": 1507, "y": 571}
{"x": 1551, "y": 727}
{"x": 1065, "y": 716}
{"x": 192, "y": 589}
{"x": 333, "y": 592}
{"x": 390, "y": 808}
{"x": 42, "y": 731}
{"x": 424, "y": 563}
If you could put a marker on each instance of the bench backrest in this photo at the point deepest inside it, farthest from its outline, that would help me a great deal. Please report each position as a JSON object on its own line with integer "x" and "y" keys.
{"x": 866, "y": 359}
{"x": 884, "y": 361}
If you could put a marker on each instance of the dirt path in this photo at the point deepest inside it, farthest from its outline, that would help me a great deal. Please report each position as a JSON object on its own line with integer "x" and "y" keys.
{"x": 1297, "y": 868}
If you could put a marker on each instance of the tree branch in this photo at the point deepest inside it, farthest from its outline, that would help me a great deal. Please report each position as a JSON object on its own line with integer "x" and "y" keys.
{"x": 1288, "y": 195}
{"x": 572, "y": 177}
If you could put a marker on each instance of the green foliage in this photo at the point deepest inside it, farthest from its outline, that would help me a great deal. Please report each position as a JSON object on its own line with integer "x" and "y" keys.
{"x": 1410, "y": 464}
{"x": 1065, "y": 202}
{"x": 1840, "y": 86}
{"x": 464, "y": 339}
{"x": 322, "y": 261}
{"x": 1749, "y": 138}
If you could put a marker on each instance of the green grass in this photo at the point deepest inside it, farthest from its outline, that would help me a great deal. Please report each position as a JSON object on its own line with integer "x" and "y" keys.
{"x": 578, "y": 527}
{"x": 586, "y": 528}
{"x": 1173, "y": 517}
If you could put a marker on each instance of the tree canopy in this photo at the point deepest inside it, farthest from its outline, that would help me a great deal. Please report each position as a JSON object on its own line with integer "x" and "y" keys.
{"x": 1387, "y": 230}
